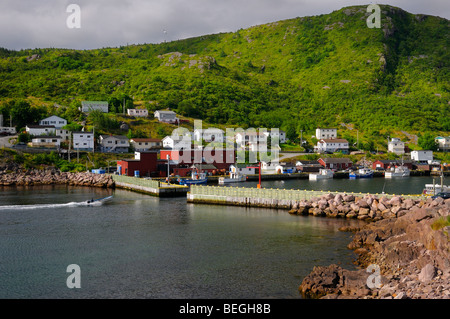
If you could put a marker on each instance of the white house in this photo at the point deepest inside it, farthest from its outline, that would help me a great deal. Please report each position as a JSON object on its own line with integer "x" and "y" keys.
{"x": 64, "y": 134}
{"x": 250, "y": 137}
{"x": 281, "y": 135}
{"x": 83, "y": 141}
{"x": 114, "y": 143}
{"x": 166, "y": 116}
{"x": 37, "y": 130}
{"x": 422, "y": 156}
{"x": 244, "y": 169}
{"x": 54, "y": 120}
{"x": 89, "y": 106}
{"x": 332, "y": 145}
{"x": 145, "y": 144}
{"x": 269, "y": 167}
{"x": 50, "y": 141}
{"x": 209, "y": 135}
{"x": 443, "y": 143}
{"x": 326, "y": 133}
{"x": 396, "y": 146}
{"x": 177, "y": 142}
{"x": 137, "y": 112}
{"x": 285, "y": 168}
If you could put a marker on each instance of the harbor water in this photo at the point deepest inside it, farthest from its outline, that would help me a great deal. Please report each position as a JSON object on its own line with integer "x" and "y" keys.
{"x": 138, "y": 246}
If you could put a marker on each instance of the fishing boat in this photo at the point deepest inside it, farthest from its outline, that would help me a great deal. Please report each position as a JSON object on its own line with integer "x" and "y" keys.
{"x": 324, "y": 173}
{"x": 235, "y": 177}
{"x": 197, "y": 178}
{"x": 397, "y": 171}
{"x": 99, "y": 200}
{"x": 361, "y": 173}
{"x": 433, "y": 189}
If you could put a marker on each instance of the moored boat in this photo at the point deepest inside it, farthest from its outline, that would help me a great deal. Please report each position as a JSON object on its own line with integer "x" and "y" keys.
{"x": 235, "y": 177}
{"x": 361, "y": 173}
{"x": 324, "y": 173}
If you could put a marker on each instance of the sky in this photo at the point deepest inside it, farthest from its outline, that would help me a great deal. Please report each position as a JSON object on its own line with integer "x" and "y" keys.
{"x": 29, "y": 24}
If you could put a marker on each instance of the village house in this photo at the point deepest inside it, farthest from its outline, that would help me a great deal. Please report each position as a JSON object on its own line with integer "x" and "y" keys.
{"x": 336, "y": 163}
{"x": 89, "y": 106}
{"x": 220, "y": 158}
{"x": 247, "y": 138}
{"x": 54, "y": 120}
{"x": 137, "y": 112}
{"x": 245, "y": 169}
{"x": 285, "y": 168}
{"x": 83, "y": 141}
{"x": 49, "y": 141}
{"x": 422, "y": 156}
{"x": 143, "y": 164}
{"x": 326, "y": 133}
{"x": 177, "y": 142}
{"x": 396, "y": 146}
{"x": 274, "y": 134}
{"x": 36, "y": 130}
{"x": 166, "y": 116}
{"x": 386, "y": 164}
{"x": 145, "y": 144}
{"x": 443, "y": 143}
{"x": 332, "y": 145}
{"x": 209, "y": 135}
{"x": 114, "y": 144}
{"x": 308, "y": 166}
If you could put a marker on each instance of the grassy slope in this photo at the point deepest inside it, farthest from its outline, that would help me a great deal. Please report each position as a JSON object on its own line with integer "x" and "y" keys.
{"x": 295, "y": 74}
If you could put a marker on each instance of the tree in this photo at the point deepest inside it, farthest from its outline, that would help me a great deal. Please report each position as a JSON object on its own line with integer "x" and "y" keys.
{"x": 23, "y": 114}
{"x": 427, "y": 142}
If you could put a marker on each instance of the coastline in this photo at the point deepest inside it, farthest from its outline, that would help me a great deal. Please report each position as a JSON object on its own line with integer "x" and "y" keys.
{"x": 52, "y": 176}
{"x": 405, "y": 256}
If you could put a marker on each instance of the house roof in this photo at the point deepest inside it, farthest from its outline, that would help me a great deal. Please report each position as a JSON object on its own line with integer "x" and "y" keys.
{"x": 119, "y": 137}
{"x": 334, "y": 140}
{"x": 94, "y": 102}
{"x": 52, "y": 117}
{"x": 336, "y": 160}
{"x": 308, "y": 163}
{"x": 46, "y": 136}
{"x": 165, "y": 112}
{"x": 145, "y": 140}
{"x": 40, "y": 126}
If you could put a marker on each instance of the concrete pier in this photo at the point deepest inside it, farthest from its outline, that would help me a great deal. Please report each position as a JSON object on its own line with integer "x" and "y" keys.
{"x": 151, "y": 187}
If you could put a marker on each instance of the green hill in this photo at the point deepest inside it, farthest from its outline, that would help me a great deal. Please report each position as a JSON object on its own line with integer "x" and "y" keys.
{"x": 297, "y": 74}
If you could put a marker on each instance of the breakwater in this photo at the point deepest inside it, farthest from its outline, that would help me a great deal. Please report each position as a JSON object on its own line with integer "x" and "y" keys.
{"x": 54, "y": 176}
{"x": 303, "y": 202}
{"x": 149, "y": 186}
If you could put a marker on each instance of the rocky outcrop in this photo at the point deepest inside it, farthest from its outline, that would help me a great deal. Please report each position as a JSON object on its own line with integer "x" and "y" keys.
{"x": 54, "y": 176}
{"x": 410, "y": 252}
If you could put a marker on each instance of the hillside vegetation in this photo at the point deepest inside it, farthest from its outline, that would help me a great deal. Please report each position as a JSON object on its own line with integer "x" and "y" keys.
{"x": 329, "y": 70}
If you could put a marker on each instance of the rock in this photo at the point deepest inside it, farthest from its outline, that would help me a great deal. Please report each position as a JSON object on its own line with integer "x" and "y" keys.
{"x": 427, "y": 273}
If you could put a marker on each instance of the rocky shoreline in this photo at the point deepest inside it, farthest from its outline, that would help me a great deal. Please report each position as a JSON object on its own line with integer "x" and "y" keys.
{"x": 403, "y": 252}
{"x": 53, "y": 176}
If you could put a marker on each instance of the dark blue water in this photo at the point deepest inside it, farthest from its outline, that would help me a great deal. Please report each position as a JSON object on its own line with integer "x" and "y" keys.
{"x": 138, "y": 246}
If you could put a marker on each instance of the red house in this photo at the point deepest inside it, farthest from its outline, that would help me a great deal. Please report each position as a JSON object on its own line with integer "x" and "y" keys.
{"x": 386, "y": 164}
{"x": 144, "y": 164}
{"x": 220, "y": 158}
{"x": 335, "y": 163}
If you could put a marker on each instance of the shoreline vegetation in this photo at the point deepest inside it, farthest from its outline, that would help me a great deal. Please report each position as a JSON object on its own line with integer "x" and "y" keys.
{"x": 405, "y": 239}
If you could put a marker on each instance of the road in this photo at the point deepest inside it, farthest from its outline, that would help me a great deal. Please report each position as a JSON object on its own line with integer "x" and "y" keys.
{"x": 4, "y": 141}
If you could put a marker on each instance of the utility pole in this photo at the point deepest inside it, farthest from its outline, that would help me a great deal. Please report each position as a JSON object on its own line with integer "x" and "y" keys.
{"x": 70, "y": 144}
{"x": 168, "y": 169}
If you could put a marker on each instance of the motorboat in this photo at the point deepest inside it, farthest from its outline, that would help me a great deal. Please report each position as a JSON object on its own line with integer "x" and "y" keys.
{"x": 99, "y": 200}
{"x": 399, "y": 171}
{"x": 361, "y": 173}
{"x": 196, "y": 179}
{"x": 235, "y": 177}
{"x": 324, "y": 173}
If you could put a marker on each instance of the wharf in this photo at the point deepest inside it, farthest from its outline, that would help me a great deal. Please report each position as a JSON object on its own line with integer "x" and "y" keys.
{"x": 148, "y": 186}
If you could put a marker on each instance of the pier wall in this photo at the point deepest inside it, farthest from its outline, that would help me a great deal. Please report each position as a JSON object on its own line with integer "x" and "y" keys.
{"x": 148, "y": 186}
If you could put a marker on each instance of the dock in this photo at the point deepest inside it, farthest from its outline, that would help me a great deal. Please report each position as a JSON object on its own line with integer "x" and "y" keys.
{"x": 264, "y": 197}
{"x": 149, "y": 186}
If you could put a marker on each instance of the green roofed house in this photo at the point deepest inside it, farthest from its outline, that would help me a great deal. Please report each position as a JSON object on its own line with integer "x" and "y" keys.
{"x": 89, "y": 106}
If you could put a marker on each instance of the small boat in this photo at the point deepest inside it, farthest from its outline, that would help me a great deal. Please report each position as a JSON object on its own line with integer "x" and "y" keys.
{"x": 99, "y": 200}
{"x": 235, "y": 177}
{"x": 400, "y": 171}
{"x": 432, "y": 189}
{"x": 324, "y": 173}
{"x": 362, "y": 173}
{"x": 196, "y": 179}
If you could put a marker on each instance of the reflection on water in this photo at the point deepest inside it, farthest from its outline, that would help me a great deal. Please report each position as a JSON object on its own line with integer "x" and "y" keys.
{"x": 139, "y": 246}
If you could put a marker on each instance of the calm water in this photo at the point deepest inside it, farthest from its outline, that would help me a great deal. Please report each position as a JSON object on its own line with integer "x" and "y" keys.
{"x": 138, "y": 246}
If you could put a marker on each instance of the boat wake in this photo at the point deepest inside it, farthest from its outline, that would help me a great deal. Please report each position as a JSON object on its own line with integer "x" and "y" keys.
{"x": 50, "y": 206}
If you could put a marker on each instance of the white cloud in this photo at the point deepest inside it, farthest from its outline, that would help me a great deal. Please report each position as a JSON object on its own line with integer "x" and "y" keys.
{"x": 30, "y": 24}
